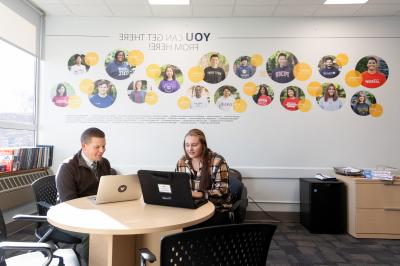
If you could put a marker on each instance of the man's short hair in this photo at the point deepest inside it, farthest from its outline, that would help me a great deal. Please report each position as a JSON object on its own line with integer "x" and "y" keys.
{"x": 214, "y": 55}
{"x": 89, "y": 133}
{"x": 282, "y": 54}
{"x": 372, "y": 58}
{"x": 328, "y": 58}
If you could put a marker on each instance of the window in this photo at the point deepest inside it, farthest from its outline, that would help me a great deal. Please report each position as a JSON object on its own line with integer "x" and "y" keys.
{"x": 17, "y": 101}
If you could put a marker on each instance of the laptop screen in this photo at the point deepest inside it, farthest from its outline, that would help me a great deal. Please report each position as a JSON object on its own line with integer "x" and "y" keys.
{"x": 166, "y": 188}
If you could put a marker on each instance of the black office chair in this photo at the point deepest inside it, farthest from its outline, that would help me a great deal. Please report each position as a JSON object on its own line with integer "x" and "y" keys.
{"x": 45, "y": 192}
{"x": 234, "y": 244}
{"x": 237, "y": 213}
{"x": 39, "y": 253}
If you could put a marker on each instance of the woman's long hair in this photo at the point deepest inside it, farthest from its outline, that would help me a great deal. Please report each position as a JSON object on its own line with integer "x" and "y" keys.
{"x": 205, "y": 171}
{"x": 335, "y": 95}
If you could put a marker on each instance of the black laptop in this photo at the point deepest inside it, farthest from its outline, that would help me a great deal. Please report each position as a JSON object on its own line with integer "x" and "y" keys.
{"x": 168, "y": 189}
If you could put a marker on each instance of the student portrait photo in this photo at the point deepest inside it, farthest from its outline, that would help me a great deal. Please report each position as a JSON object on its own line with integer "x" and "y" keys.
{"x": 361, "y": 101}
{"x": 77, "y": 65}
{"x": 330, "y": 98}
{"x": 215, "y": 67}
{"x": 60, "y": 94}
{"x": 170, "y": 79}
{"x": 137, "y": 91}
{"x": 117, "y": 65}
{"x": 243, "y": 67}
{"x": 225, "y": 97}
{"x": 328, "y": 68}
{"x": 290, "y": 98}
{"x": 374, "y": 71}
{"x": 280, "y": 66}
{"x": 199, "y": 97}
{"x": 264, "y": 95}
{"x": 104, "y": 93}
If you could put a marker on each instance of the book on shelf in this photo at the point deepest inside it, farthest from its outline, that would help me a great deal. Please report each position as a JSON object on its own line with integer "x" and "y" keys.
{"x": 26, "y": 158}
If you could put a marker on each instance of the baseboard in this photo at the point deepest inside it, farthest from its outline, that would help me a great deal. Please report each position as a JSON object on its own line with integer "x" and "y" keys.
{"x": 285, "y": 217}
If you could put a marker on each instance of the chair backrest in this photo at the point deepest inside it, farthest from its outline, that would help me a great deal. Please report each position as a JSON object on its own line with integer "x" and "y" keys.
{"x": 45, "y": 192}
{"x": 234, "y": 244}
{"x": 235, "y": 173}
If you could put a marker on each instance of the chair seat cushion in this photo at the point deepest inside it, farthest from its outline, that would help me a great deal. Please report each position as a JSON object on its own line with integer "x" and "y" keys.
{"x": 37, "y": 258}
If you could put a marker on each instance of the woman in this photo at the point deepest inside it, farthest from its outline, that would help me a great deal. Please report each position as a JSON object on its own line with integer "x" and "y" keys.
{"x": 291, "y": 103}
{"x": 262, "y": 98}
{"x": 208, "y": 173}
{"x": 78, "y": 68}
{"x": 169, "y": 83}
{"x": 119, "y": 68}
{"x": 102, "y": 99}
{"x": 361, "y": 107}
{"x": 138, "y": 95}
{"x": 330, "y": 101}
{"x": 61, "y": 98}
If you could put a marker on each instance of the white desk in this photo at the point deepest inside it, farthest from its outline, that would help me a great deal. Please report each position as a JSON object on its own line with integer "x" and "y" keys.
{"x": 118, "y": 229}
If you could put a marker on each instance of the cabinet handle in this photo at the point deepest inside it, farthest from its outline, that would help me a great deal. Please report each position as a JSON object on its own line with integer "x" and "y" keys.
{"x": 392, "y": 209}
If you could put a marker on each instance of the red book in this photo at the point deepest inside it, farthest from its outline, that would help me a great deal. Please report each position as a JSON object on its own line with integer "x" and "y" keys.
{"x": 6, "y": 159}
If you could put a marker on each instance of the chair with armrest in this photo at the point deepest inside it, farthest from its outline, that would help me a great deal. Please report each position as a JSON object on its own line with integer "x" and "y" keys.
{"x": 238, "y": 190}
{"x": 45, "y": 192}
{"x": 39, "y": 253}
{"x": 233, "y": 244}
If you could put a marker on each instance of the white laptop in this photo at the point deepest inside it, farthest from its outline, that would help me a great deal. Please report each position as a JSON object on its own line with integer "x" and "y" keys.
{"x": 114, "y": 188}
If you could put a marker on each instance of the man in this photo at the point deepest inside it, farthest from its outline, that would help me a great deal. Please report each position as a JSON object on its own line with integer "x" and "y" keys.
{"x": 329, "y": 70}
{"x": 214, "y": 74}
{"x": 372, "y": 77}
{"x": 283, "y": 73}
{"x": 244, "y": 70}
{"x": 198, "y": 100}
{"x": 225, "y": 102}
{"x": 78, "y": 176}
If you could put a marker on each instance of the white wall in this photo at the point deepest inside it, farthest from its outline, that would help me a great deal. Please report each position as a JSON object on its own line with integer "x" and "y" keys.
{"x": 271, "y": 145}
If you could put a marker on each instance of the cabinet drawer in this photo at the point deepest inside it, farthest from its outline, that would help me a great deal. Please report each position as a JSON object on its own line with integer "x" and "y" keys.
{"x": 378, "y": 221}
{"x": 378, "y": 195}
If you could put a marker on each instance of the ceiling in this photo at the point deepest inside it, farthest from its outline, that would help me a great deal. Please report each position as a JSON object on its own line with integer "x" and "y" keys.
{"x": 216, "y": 8}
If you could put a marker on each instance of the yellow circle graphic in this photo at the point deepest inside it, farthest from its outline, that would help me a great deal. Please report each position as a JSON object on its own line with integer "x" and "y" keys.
{"x": 314, "y": 88}
{"x": 86, "y": 86}
{"x": 153, "y": 71}
{"x": 342, "y": 59}
{"x": 256, "y": 60}
{"x": 135, "y": 57}
{"x": 249, "y": 88}
{"x": 184, "y": 102}
{"x": 74, "y": 101}
{"x": 302, "y": 71}
{"x": 196, "y": 74}
{"x": 91, "y": 58}
{"x": 376, "y": 110}
{"x": 239, "y": 106}
{"x": 353, "y": 78}
{"x": 151, "y": 98}
{"x": 305, "y": 105}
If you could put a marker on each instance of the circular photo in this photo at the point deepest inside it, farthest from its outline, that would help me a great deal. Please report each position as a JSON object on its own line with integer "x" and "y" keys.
{"x": 104, "y": 93}
{"x": 361, "y": 101}
{"x": 170, "y": 79}
{"x": 374, "y": 71}
{"x": 243, "y": 68}
{"x": 60, "y": 94}
{"x": 330, "y": 100}
{"x": 280, "y": 66}
{"x": 137, "y": 91}
{"x": 199, "y": 97}
{"x": 215, "y": 67}
{"x": 264, "y": 95}
{"x": 77, "y": 65}
{"x": 117, "y": 66}
{"x": 328, "y": 67}
{"x": 291, "y": 96}
{"x": 225, "y": 96}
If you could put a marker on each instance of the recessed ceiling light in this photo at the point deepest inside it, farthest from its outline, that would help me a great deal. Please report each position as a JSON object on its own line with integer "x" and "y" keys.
{"x": 344, "y": 2}
{"x": 169, "y": 2}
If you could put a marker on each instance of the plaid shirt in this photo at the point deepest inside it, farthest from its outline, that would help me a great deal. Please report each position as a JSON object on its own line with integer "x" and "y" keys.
{"x": 219, "y": 193}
